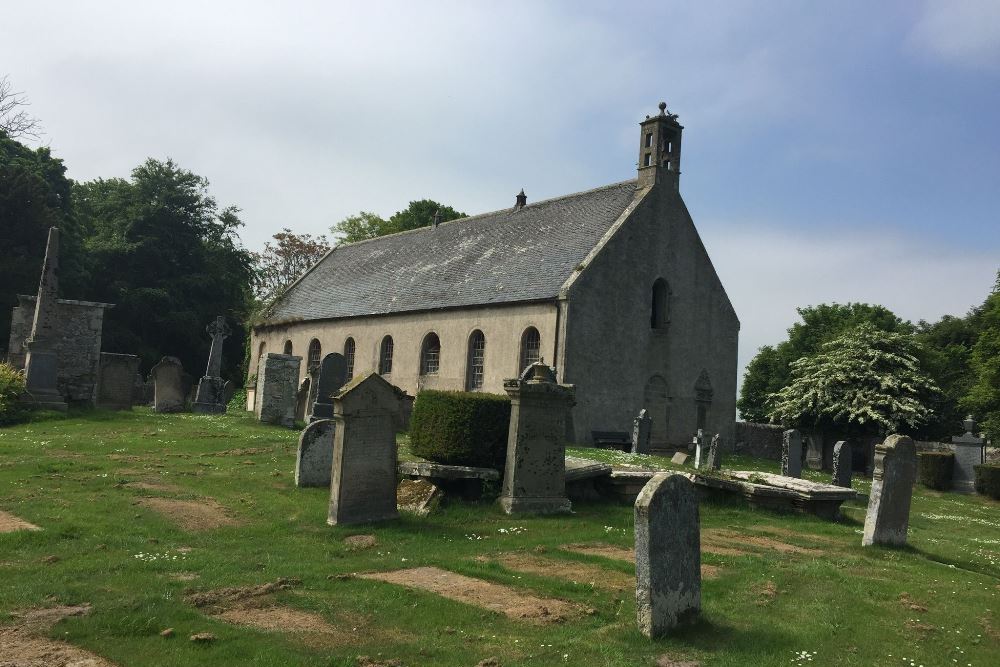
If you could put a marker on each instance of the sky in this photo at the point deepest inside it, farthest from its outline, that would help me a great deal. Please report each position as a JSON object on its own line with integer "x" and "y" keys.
{"x": 844, "y": 151}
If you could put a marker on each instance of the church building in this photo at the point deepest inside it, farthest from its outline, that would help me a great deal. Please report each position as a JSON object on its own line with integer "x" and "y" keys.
{"x": 611, "y": 286}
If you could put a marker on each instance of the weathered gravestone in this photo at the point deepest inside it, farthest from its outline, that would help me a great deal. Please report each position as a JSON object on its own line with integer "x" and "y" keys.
{"x": 970, "y": 451}
{"x": 791, "y": 454}
{"x": 314, "y": 459}
{"x": 814, "y": 451}
{"x": 168, "y": 385}
{"x": 363, "y": 482}
{"x": 277, "y": 380}
{"x": 699, "y": 449}
{"x": 892, "y": 490}
{"x": 535, "y": 473}
{"x": 332, "y": 376}
{"x": 642, "y": 427}
{"x": 667, "y": 554}
{"x": 116, "y": 380}
{"x": 211, "y": 388}
{"x": 842, "y": 464}
{"x": 680, "y": 458}
{"x": 302, "y": 402}
{"x": 713, "y": 461}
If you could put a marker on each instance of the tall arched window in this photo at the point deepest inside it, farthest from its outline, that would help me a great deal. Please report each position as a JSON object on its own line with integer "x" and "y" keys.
{"x": 659, "y": 313}
{"x": 385, "y": 356}
{"x": 315, "y": 353}
{"x": 476, "y": 367}
{"x": 349, "y": 356}
{"x": 531, "y": 345}
{"x": 430, "y": 354}
{"x": 288, "y": 347}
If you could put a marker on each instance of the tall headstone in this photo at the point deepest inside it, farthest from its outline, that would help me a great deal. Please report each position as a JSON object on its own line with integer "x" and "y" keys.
{"x": 332, "y": 376}
{"x": 699, "y": 449}
{"x": 314, "y": 459}
{"x": 277, "y": 382}
{"x": 168, "y": 385}
{"x": 667, "y": 554}
{"x": 116, "y": 380}
{"x": 363, "y": 479}
{"x": 814, "y": 451}
{"x": 791, "y": 454}
{"x": 41, "y": 365}
{"x": 302, "y": 399}
{"x": 892, "y": 490}
{"x": 713, "y": 461}
{"x": 642, "y": 427}
{"x": 211, "y": 388}
{"x": 842, "y": 464}
{"x": 970, "y": 451}
{"x": 535, "y": 473}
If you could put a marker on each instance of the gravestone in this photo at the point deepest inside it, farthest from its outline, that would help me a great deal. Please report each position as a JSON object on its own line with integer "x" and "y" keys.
{"x": 680, "y": 458}
{"x": 714, "y": 459}
{"x": 842, "y": 464}
{"x": 41, "y": 365}
{"x": 699, "y": 449}
{"x": 168, "y": 385}
{"x": 363, "y": 480}
{"x": 314, "y": 459}
{"x": 116, "y": 379}
{"x": 814, "y": 451}
{"x": 969, "y": 451}
{"x": 642, "y": 426}
{"x": 228, "y": 391}
{"x": 302, "y": 402}
{"x": 791, "y": 454}
{"x": 332, "y": 376}
{"x": 277, "y": 381}
{"x": 667, "y": 554}
{"x": 892, "y": 490}
{"x": 535, "y": 472}
{"x": 211, "y": 397}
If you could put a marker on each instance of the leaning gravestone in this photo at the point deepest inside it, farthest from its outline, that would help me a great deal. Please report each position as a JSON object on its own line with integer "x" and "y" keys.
{"x": 667, "y": 554}
{"x": 970, "y": 451}
{"x": 277, "y": 380}
{"x": 535, "y": 473}
{"x": 842, "y": 464}
{"x": 363, "y": 480}
{"x": 302, "y": 399}
{"x": 642, "y": 426}
{"x": 791, "y": 454}
{"x": 332, "y": 376}
{"x": 714, "y": 459}
{"x": 892, "y": 490}
{"x": 116, "y": 380}
{"x": 168, "y": 385}
{"x": 315, "y": 455}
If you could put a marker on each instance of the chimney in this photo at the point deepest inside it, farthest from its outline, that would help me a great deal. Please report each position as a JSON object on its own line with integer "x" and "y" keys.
{"x": 520, "y": 201}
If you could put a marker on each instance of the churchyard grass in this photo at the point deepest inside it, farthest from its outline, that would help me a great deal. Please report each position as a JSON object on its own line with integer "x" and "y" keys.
{"x": 782, "y": 589}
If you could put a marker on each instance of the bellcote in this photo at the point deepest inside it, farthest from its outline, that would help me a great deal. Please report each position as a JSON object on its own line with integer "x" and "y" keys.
{"x": 660, "y": 149}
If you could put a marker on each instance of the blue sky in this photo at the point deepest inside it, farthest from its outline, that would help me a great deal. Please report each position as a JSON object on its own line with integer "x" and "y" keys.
{"x": 842, "y": 151}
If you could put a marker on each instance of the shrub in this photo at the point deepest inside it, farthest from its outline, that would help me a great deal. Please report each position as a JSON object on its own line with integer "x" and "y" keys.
{"x": 988, "y": 480}
{"x": 934, "y": 469}
{"x": 11, "y": 389}
{"x": 460, "y": 428}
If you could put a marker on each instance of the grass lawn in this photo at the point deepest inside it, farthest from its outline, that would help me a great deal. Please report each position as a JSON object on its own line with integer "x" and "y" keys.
{"x": 145, "y": 517}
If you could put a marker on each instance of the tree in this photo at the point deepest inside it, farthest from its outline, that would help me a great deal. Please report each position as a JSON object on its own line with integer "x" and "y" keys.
{"x": 866, "y": 380}
{"x": 983, "y": 397}
{"x": 418, "y": 214}
{"x": 15, "y": 121}
{"x": 285, "y": 260}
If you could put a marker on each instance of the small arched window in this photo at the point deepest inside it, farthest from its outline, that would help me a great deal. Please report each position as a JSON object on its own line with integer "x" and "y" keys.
{"x": 349, "y": 356}
{"x": 430, "y": 354}
{"x": 660, "y": 308}
{"x": 315, "y": 352}
{"x": 477, "y": 361}
{"x": 288, "y": 347}
{"x": 385, "y": 356}
{"x": 531, "y": 345}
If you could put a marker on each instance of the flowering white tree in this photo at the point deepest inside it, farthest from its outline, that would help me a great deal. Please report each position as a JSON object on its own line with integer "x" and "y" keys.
{"x": 867, "y": 378}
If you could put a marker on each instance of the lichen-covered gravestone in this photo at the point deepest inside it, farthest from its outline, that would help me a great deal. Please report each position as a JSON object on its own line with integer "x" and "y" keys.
{"x": 168, "y": 385}
{"x": 535, "y": 473}
{"x": 842, "y": 464}
{"x": 332, "y": 376}
{"x": 667, "y": 554}
{"x": 115, "y": 380}
{"x": 363, "y": 481}
{"x": 315, "y": 455}
{"x": 277, "y": 381}
{"x": 642, "y": 427}
{"x": 970, "y": 451}
{"x": 892, "y": 490}
{"x": 791, "y": 454}
{"x": 713, "y": 461}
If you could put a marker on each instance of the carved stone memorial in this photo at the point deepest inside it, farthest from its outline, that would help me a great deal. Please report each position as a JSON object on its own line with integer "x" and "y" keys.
{"x": 168, "y": 385}
{"x": 277, "y": 382}
{"x": 713, "y": 461}
{"x": 211, "y": 388}
{"x": 332, "y": 376}
{"x": 314, "y": 459}
{"x": 892, "y": 490}
{"x": 842, "y": 464}
{"x": 642, "y": 427}
{"x": 116, "y": 380}
{"x": 791, "y": 454}
{"x": 970, "y": 451}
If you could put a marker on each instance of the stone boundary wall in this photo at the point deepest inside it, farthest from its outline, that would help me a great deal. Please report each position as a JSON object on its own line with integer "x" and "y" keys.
{"x": 762, "y": 441}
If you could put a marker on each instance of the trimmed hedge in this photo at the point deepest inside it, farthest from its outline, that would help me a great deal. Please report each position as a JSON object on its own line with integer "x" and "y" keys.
{"x": 934, "y": 469}
{"x": 460, "y": 428}
{"x": 11, "y": 389}
{"x": 988, "y": 480}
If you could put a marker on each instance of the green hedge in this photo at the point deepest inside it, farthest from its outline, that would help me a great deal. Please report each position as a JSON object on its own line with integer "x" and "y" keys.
{"x": 988, "y": 480}
{"x": 460, "y": 428}
{"x": 934, "y": 469}
{"x": 11, "y": 388}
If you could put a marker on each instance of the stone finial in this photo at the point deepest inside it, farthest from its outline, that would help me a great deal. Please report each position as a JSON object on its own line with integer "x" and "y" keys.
{"x": 663, "y": 108}
{"x": 520, "y": 201}
{"x": 970, "y": 425}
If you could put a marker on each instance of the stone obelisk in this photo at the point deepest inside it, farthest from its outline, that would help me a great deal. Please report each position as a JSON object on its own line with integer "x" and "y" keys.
{"x": 41, "y": 365}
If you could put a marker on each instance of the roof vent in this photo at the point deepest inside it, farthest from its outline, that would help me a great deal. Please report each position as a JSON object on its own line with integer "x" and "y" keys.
{"x": 520, "y": 201}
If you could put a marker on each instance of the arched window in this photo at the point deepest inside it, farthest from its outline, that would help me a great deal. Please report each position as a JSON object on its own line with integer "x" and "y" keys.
{"x": 288, "y": 347}
{"x": 349, "y": 357}
{"x": 659, "y": 312}
{"x": 385, "y": 356}
{"x": 315, "y": 353}
{"x": 531, "y": 345}
{"x": 430, "y": 354}
{"x": 476, "y": 366}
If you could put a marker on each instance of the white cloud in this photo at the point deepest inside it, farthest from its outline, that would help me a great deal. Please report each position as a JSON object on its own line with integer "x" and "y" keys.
{"x": 964, "y": 32}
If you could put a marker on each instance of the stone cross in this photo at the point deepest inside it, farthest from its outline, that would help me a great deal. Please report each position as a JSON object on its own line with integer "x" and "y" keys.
{"x": 970, "y": 451}
{"x": 315, "y": 454}
{"x": 791, "y": 454}
{"x": 842, "y": 464}
{"x": 892, "y": 490}
{"x": 641, "y": 428}
{"x": 41, "y": 365}
{"x": 219, "y": 331}
{"x": 667, "y": 554}
{"x": 210, "y": 397}
{"x": 714, "y": 459}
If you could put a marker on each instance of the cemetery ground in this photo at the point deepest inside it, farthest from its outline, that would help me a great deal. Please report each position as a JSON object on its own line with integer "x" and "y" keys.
{"x": 150, "y": 522}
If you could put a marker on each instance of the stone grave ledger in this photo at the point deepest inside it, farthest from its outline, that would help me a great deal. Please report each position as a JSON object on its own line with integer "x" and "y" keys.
{"x": 314, "y": 459}
{"x": 168, "y": 385}
{"x": 331, "y": 377}
{"x": 895, "y": 472}
{"x": 667, "y": 554}
{"x": 970, "y": 451}
{"x": 116, "y": 381}
{"x": 277, "y": 386}
{"x": 791, "y": 454}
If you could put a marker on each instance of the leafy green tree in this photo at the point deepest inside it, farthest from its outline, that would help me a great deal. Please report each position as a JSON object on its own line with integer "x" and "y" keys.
{"x": 367, "y": 225}
{"x": 865, "y": 381}
{"x": 983, "y": 397}
{"x": 946, "y": 349}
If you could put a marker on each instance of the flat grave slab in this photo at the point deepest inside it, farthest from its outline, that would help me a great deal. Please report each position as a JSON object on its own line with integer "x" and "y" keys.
{"x": 778, "y": 492}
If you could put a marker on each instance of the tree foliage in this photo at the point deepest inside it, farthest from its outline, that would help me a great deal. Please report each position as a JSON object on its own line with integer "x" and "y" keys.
{"x": 367, "y": 225}
{"x": 286, "y": 259}
{"x": 983, "y": 397}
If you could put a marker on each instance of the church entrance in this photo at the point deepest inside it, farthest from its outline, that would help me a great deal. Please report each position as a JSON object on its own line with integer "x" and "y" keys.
{"x": 655, "y": 402}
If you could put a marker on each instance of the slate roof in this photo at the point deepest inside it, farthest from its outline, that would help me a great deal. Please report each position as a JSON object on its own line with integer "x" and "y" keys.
{"x": 500, "y": 257}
